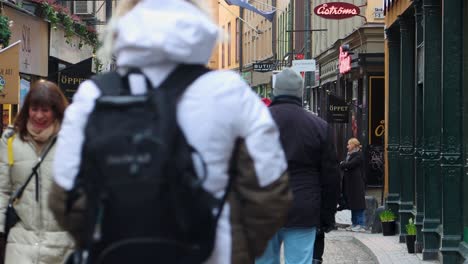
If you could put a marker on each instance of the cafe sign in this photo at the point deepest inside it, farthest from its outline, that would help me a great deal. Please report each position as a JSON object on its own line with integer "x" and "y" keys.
{"x": 336, "y": 10}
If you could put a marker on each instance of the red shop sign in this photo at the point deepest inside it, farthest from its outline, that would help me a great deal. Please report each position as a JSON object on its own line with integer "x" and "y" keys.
{"x": 336, "y": 10}
{"x": 344, "y": 61}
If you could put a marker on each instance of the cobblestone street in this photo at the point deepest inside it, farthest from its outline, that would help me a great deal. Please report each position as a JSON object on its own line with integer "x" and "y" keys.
{"x": 345, "y": 247}
{"x": 341, "y": 248}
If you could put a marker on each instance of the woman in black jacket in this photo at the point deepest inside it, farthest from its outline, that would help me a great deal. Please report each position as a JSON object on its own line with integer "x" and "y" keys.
{"x": 354, "y": 185}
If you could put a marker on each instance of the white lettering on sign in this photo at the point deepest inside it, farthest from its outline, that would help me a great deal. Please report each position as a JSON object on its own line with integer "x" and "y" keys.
{"x": 338, "y": 108}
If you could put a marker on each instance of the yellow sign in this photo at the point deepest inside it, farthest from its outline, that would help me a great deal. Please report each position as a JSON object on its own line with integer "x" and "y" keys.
{"x": 9, "y": 74}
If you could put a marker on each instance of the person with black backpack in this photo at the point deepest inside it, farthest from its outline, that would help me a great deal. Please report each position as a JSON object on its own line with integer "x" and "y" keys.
{"x": 165, "y": 161}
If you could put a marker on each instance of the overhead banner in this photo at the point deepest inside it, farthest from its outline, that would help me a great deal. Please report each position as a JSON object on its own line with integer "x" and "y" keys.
{"x": 70, "y": 78}
{"x": 245, "y": 4}
{"x": 9, "y": 74}
{"x": 338, "y": 110}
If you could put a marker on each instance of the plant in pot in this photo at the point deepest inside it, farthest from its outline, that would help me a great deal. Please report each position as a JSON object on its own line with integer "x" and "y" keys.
{"x": 387, "y": 218}
{"x": 410, "y": 235}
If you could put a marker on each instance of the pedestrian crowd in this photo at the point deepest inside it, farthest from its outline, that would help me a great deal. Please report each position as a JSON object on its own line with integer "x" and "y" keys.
{"x": 166, "y": 161}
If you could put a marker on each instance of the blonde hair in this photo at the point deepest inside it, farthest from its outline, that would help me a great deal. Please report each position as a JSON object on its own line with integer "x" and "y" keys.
{"x": 108, "y": 36}
{"x": 355, "y": 142}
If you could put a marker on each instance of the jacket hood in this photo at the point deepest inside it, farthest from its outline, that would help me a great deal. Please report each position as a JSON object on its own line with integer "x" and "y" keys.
{"x": 162, "y": 31}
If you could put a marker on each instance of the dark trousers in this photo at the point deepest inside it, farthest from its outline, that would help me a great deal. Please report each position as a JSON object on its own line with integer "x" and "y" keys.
{"x": 319, "y": 245}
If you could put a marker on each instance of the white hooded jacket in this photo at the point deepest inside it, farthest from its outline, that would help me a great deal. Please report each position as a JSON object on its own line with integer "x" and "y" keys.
{"x": 156, "y": 36}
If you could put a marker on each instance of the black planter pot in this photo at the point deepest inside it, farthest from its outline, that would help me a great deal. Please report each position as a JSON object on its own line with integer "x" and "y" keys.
{"x": 388, "y": 228}
{"x": 410, "y": 239}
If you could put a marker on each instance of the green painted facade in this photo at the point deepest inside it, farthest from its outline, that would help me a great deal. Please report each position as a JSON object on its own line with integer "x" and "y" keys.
{"x": 428, "y": 126}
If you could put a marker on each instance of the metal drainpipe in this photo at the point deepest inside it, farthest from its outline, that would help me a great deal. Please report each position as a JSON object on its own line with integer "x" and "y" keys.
{"x": 308, "y": 54}
{"x": 291, "y": 27}
{"x": 241, "y": 39}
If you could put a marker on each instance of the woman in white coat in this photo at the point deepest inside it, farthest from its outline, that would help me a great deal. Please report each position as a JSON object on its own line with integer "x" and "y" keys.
{"x": 36, "y": 238}
{"x": 156, "y": 36}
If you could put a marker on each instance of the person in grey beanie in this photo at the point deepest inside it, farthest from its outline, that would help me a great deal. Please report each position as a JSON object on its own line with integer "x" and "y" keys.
{"x": 313, "y": 174}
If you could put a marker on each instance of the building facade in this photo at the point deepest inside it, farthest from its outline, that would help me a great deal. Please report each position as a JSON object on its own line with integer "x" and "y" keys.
{"x": 359, "y": 42}
{"x": 257, "y": 47}
{"x": 57, "y": 44}
{"x": 214, "y": 62}
{"x": 426, "y": 108}
{"x": 229, "y": 48}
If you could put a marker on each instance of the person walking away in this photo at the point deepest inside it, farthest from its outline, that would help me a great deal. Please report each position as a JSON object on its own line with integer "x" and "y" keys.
{"x": 259, "y": 196}
{"x": 36, "y": 237}
{"x": 354, "y": 185}
{"x": 313, "y": 170}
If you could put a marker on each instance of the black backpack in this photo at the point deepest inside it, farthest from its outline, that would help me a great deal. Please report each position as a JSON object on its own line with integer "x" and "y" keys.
{"x": 145, "y": 203}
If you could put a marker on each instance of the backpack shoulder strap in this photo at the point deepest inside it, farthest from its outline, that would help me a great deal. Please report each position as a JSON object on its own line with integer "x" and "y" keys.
{"x": 109, "y": 83}
{"x": 182, "y": 77}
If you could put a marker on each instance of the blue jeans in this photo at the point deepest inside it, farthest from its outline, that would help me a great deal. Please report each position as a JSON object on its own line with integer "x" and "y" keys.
{"x": 298, "y": 246}
{"x": 358, "y": 217}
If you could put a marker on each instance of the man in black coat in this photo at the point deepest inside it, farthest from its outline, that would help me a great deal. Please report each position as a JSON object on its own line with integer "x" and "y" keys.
{"x": 313, "y": 170}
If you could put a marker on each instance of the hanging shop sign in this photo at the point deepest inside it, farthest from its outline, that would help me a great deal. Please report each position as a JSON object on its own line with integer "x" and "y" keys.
{"x": 71, "y": 50}
{"x": 338, "y": 110}
{"x": 263, "y": 67}
{"x": 33, "y": 33}
{"x": 336, "y": 10}
{"x": 303, "y": 65}
{"x": 70, "y": 78}
{"x": 344, "y": 60}
{"x": 9, "y": 74}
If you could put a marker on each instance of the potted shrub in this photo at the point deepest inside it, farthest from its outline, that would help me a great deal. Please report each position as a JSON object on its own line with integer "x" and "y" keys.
{"x": 410, "y": 235}
{"x": 387, "y": 218}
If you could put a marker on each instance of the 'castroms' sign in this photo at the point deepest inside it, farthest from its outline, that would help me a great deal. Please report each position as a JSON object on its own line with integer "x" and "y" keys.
{"x": 336, "y": 10}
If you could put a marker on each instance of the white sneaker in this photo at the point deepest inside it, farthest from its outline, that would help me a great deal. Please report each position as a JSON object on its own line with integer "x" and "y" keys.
{"x": 358, "y": 228}
{"x": 349, "y": 228}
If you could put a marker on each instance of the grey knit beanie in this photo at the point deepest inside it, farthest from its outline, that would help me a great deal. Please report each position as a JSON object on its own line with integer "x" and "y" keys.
{"x": 288, "y": 82}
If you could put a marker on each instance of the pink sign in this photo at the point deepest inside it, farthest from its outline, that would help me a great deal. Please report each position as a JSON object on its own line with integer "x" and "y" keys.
{"x": 336, "y": 10}
{"x": 344, "y": 61}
